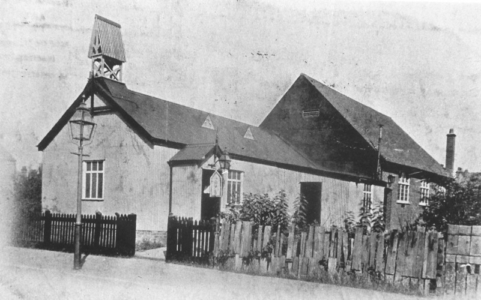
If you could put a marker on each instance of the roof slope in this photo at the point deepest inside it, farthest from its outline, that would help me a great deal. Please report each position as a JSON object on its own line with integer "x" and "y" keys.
{"x": 396, "y": 145}
{"x": 106, "y": 34}
{"x": 177, "y": 123}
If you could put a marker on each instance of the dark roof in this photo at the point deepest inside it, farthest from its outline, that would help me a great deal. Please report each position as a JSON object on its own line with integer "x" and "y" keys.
{"x": 194, "y": 153}
{"x": 110, "y": 39}
{"x": 181, "y": 126}
{"x": 175, "y": 123}
{"x": 396, "y": 146}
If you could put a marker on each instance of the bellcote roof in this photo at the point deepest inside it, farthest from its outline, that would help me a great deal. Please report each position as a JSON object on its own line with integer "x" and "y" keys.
{"x": 106, "y": 39}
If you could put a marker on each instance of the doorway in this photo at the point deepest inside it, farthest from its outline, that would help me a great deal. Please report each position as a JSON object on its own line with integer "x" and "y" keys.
{"x": 312, "y": 192}
{"x": 210, "y": 206}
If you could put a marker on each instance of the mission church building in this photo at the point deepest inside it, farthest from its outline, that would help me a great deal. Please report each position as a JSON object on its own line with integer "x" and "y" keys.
{"x": 153, "y": 157}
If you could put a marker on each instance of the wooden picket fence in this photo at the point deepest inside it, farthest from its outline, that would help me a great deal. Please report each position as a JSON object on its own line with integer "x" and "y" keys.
{"x": 99, "y": 233}
{"x": 190, "y": 240}
{"x": 412, "y": 260}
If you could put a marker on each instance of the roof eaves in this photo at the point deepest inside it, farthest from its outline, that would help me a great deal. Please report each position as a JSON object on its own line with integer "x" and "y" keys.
{"x": 64, "y": 118}
{"x": 99, "y": 88}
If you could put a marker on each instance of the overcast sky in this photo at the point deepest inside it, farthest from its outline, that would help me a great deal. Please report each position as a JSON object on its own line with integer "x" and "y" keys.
{"x": 417, "y": 62}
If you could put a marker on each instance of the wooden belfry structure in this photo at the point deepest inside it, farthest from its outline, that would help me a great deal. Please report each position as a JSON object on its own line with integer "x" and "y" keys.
{"x": 106, "y": 49}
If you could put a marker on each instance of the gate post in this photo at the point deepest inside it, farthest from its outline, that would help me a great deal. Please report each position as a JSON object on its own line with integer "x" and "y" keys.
{"x": 98, "y": 229}
{"x": 47, "y": 228}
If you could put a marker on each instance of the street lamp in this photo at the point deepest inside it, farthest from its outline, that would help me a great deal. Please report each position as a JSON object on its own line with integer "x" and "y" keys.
{"x": 81, "y": 129}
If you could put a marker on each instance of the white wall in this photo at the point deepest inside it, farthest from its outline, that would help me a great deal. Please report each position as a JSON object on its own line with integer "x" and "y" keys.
{"x": 136, "y": 174}
{"x": 338, "y": 196}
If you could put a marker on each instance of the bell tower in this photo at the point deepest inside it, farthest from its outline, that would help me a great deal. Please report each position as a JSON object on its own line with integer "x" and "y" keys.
{"x": 106, "y": 49}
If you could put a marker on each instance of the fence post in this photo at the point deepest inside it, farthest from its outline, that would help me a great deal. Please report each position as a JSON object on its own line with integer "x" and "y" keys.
{"x": 47, "y": 228}
{"x": 133, "y": 232}
{"x": 98, "y": 229}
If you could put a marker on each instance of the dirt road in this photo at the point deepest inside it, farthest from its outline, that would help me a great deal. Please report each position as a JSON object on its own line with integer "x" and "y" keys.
{"x": 39, "y": 274}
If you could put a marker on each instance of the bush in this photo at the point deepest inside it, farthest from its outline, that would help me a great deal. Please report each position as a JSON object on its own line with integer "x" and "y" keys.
{"x": 261, "y": 210}
{"x": 460, "y": 204}
{"x": 28, "y": 195}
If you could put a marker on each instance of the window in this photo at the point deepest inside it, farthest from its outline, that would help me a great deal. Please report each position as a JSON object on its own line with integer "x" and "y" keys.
{"x": 234, "y": 187}
{"x": 93, "y": 180}
{"x": 424, "y": 193}
{"x": 403, "y": 189}
{"x": 311, "y": 113}
{"x": 367, "y": 199}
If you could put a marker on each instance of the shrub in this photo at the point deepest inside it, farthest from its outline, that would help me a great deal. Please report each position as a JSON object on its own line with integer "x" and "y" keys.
{"x": 27, "y": 195}
{"x": 299, "y": 217}
{"x": 459, "y": 204}
{"x": 261, "y": 210}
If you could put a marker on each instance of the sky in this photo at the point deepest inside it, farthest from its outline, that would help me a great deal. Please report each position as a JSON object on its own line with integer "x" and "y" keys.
{"x": 417, "y": 62}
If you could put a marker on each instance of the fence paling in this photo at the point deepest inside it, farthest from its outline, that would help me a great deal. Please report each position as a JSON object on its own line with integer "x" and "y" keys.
{"x": 98, "y": 233}
{"x": 409, "y": 258}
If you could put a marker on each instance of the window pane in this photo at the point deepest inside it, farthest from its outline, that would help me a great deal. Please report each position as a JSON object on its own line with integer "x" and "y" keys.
{"x": 230, "y": 175}
{"x": 89, "y": 166}
{"x": 101, "y": 182}
{"x": 229, "y": 191}
{"x": 94, "y": 166}
{"x": 94, "y": 185}
{"x": 237, "y": 196}
{"x": 87, "y": 185}
{"x": 101, "y": 165}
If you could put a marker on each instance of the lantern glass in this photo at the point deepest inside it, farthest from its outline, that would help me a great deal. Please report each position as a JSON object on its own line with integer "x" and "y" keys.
{"x": 224, "y": 161}
{"x": 81, "y": 125}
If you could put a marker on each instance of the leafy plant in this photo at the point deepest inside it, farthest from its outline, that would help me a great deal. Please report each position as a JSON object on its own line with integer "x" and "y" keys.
{"x": 261, "y": 210}
{"x": 459, "y": 204}
{"x": 27, "y": 196}
{"x": 349, "y": 222}
{"x": 299, "y": 216}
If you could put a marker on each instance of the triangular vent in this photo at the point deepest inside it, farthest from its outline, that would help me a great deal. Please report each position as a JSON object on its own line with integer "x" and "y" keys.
{"x": 248, "y": 134}
{"x": 208, "y": 123}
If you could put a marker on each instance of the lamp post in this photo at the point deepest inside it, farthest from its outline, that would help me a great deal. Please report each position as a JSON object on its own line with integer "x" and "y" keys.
{"x": 81, "y": 129}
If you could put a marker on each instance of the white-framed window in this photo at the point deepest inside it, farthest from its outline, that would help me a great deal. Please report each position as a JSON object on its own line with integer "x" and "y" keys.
{"x": 403, "y": 189}
{"x": 234, "y": 187}
{"x": 367, "y": 198}
{"x": 424, "y": 190}
{"x": 93, "y": 180}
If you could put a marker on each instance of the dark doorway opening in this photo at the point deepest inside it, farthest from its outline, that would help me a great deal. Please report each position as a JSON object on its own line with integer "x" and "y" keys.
{"x": 312, "y": 191}
{"x": 210, "y": 207}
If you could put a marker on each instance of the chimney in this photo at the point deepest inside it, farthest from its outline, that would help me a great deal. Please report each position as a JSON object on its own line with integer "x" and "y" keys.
{"x": 450, "y": 145}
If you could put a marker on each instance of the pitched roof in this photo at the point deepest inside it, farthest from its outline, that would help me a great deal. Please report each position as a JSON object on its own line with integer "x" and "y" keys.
{"x": 194, "y": 153}
{"x": 106, "y": 34}
{"x": 180, "y": 124}
{"x": 396, "y": 145}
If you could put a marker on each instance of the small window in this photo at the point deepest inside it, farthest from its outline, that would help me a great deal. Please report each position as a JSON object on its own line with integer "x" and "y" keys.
{"x": 208, "y": 123}
{"x": 403, "y": 189}
{"x": 424, "y": 193}
{"x": 234, "y": 187}
{"x": 310, "y": 113}
{"x": 93, "y": 180}
{"x": 367, "y": 198}
{"x": 248, "y": 134}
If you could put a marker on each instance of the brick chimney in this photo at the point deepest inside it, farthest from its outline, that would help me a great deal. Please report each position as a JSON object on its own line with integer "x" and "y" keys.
{"x": 450, "y": 145}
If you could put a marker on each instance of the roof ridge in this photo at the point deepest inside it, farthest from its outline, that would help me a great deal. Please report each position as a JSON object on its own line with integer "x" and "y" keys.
{"x": 339, "y": 92}
{"x": 189, "y": 107}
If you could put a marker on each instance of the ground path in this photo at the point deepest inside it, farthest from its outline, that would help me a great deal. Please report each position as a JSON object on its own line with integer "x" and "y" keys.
{"x": 40, "y": 274}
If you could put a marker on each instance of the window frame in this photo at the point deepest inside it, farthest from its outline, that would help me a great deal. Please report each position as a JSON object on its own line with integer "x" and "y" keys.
{"x": 425, "y": 192}
{"x": 238, "y": 184}
{"x": 403, "y": 189}
{"x": 89, "y": 184}
{"x": 367, "y": 198}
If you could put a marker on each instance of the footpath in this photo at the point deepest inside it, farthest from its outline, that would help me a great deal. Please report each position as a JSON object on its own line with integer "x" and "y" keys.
{"x": 40, "y": 274}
